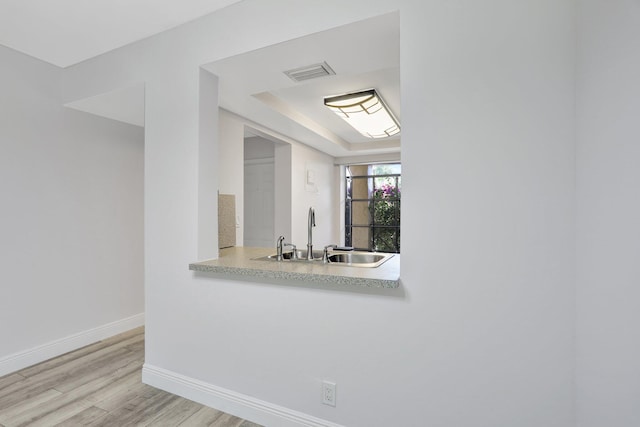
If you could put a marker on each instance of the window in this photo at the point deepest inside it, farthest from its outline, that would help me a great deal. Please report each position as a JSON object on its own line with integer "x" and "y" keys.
{"x": 372, "y": 207}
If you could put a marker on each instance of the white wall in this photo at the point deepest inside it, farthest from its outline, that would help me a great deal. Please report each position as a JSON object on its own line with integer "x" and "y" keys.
{"x": 260, "y": 192}
{"x": 283, "y": 191}
{"x": 608, "y": 295}
{"x": 231, "y": 168}
{"x": 257, "y": 147}
{"x": 480, "y": 332}
{"x": 71, "y": 234}
{"x": 208, "y": 135}
{"x": 488, "y": 199}
{"x": 321, "y": 195}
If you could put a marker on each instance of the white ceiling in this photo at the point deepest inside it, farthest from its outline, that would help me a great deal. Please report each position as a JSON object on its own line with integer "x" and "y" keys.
{"x": 124, "y": 104}
{"x": 364, "y": 55}
{"x": 65, "y": 32}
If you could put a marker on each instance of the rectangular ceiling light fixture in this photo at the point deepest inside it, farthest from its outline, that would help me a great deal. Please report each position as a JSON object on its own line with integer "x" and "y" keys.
{"x": 366, "y": 112}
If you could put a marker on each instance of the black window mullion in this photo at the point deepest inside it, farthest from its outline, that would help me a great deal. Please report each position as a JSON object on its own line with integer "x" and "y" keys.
{"x": 382, "y": 236}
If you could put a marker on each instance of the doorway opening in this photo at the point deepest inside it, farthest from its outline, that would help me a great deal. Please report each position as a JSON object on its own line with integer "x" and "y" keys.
{"x": 267, "y": 190}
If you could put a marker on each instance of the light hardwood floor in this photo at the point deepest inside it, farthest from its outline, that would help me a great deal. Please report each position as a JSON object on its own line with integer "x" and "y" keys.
{"x": 99, "y": 385}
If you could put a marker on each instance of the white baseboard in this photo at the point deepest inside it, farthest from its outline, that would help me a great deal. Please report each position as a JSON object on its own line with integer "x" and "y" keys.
{"x": 15, "y": 362}
{"x": 237, "y": 404}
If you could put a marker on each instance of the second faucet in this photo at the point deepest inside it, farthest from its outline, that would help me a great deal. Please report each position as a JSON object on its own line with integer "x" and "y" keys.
{"x": 311, "y": 222}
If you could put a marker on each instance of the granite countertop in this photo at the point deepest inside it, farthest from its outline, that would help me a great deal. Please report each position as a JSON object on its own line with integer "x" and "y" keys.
{"x": 240, "y": 261}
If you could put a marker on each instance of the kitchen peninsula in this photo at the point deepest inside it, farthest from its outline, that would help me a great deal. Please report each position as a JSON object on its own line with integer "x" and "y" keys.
{"x": 243, "y": 262}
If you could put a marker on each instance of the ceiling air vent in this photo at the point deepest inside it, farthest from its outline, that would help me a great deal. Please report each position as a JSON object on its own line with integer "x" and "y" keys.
{"x": 310, "y": 72}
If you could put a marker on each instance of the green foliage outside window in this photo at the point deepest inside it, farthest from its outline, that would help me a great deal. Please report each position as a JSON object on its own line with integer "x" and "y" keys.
{"x": 386, "y": 212}
{"x": 383, "y": 204}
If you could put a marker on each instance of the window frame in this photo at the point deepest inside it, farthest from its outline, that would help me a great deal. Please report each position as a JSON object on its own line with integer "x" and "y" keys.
{"x": 375, "y": 238}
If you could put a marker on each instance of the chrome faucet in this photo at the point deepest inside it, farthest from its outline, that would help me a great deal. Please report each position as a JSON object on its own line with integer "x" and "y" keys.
{"x": 311, "y": 222}
{"x": 325, "y": 253}
{"x": 279, "y": 248}
{"x": 294, "y": 250}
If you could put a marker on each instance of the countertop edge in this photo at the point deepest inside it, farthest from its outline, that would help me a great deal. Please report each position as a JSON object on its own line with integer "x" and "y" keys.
{"x": 291, "y": 275}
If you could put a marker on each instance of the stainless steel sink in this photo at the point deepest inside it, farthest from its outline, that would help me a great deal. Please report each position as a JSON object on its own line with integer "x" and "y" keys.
{"x": 351, "y": 259}
{"x": 358, "y": 259}
{"x": 288, "y": 256}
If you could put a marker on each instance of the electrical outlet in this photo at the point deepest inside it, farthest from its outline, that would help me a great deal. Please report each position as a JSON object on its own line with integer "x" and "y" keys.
{"x": 329, "y": 393}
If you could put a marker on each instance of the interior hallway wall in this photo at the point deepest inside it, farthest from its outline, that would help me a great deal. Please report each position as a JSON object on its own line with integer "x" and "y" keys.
{"x": 608, "y": 243}
{"x": 71, "y": 230}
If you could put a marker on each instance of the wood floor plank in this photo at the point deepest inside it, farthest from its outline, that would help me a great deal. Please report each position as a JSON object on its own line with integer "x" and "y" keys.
{"x": 95, "y": 349}
{"x": 27, "y": 405}
{"x": 7, "y": 380}
{"x": 99, "y": 385}
{"x": 138, "y": 411}
{"x": 55, "y": 417}
{"x": 82, "y": 363}
{"x": 176, "y": 414}
{"x": 22, "y": 391}
{"x": 136, "y": 346}
{"x": 130, "y": 381}
{"x": 121, "y": 399}
{"x": 67, "y": 381}
{"x": 83, "y": 418}
{"x": 56, "y": 376}
{"x": 227, "y": 420}
{"x": 204, "y": 417}
{"x": 113, "y": 365}
{"x": 72, "y": 402}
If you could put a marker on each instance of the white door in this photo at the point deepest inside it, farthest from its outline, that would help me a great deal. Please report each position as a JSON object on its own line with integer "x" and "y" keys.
{"x": 259, "y": 206}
